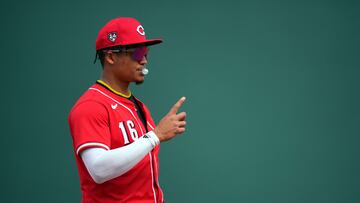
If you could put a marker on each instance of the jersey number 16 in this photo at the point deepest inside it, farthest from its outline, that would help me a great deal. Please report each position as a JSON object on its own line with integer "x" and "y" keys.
{"x": 131, "y": 128}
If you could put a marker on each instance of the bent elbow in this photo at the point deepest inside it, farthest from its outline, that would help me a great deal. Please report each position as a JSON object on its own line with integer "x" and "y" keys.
{"x": 98, "y": 176}
{"x": 98, "y": 179}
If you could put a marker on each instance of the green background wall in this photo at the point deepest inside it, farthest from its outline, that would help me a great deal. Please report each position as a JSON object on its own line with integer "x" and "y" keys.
{"x": 272, "y": 97}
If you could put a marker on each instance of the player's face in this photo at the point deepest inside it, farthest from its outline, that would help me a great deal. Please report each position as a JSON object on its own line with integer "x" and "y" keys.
{"x": 130, "y": 64}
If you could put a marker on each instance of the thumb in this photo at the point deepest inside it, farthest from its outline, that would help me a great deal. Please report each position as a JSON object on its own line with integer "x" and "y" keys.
{"x": 177, "y": 106}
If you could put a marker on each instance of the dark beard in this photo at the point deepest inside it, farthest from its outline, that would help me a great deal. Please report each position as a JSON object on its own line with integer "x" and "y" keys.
{"x": 139, "y": 83}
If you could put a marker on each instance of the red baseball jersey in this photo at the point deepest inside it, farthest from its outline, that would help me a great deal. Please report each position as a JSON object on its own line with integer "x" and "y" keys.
{"x": 102, "y": 118}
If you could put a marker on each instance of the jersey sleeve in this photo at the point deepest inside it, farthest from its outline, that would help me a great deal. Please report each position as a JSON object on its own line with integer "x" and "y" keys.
{"x": 89, "y": 126}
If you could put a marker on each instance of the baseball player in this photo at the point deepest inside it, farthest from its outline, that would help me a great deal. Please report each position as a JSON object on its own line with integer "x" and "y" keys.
{"x": 115, "y": 139}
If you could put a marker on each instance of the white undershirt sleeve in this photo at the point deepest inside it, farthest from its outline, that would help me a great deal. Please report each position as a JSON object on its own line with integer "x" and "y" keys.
{"x": 104, "y": 165}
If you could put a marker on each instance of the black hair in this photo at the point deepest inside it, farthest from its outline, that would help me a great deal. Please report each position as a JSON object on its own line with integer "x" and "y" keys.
{"x": 101, "y": 56}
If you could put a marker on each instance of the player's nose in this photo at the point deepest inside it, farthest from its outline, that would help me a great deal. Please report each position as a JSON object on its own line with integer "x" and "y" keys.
{"x": 143, "y": 61}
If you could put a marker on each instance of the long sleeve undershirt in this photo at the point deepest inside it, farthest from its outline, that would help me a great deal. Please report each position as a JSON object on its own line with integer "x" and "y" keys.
{"x": 104, "y": 165}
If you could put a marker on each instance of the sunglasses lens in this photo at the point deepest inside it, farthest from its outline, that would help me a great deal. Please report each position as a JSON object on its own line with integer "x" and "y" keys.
{"x": 139, "y": 53}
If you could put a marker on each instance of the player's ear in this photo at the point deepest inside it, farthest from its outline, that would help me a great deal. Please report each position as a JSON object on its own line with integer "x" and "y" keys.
{"x": 109, "y": 58}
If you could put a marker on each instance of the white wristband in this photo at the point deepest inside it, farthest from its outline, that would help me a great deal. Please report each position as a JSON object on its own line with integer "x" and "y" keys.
{"x": 153, "y": 139}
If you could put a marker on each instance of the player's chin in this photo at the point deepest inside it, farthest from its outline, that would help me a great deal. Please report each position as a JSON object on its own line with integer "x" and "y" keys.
{"x": 140, "y": 80}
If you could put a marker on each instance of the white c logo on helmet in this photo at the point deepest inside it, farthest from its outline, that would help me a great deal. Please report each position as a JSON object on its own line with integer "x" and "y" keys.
{"x": 140, "y": 30}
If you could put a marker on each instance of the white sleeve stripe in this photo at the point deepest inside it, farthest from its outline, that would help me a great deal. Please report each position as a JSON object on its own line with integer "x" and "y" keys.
{"x": 91, "y": 144}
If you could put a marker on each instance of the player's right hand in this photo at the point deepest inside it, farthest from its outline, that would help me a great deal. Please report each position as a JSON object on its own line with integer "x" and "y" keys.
{"x": 172, "y": 123}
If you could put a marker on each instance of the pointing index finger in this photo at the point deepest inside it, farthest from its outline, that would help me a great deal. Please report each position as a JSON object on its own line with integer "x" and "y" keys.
{"x": 177, "y": 106}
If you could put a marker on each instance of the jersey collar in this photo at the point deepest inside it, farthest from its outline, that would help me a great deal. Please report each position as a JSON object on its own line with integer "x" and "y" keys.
{"x": 102, "y": 83}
